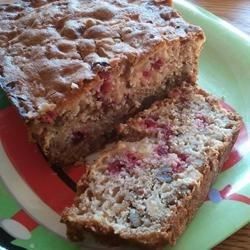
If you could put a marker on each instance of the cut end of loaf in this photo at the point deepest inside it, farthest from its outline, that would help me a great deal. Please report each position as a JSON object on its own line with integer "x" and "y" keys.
{"x": 148, "y": 188}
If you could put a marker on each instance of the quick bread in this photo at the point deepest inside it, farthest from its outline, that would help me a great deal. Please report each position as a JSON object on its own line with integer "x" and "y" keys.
{"x": 147, "y": 187}
{"x": 75, "y": 69}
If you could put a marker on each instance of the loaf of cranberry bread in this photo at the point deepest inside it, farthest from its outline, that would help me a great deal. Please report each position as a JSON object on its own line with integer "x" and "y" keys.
{"x": 148, "y": 186}
{"x": 74, "y": 69}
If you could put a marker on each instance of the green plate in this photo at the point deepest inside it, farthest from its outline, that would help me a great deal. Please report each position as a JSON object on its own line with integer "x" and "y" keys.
{"x": 32, "y": 195}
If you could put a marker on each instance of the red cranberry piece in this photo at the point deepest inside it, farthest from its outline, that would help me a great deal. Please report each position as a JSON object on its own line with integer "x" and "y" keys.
{"x": 182, "y": 157}
{"x": 166, "y": 131}
{"x": 116, "y": 166}
{"x": 49, "y": 117}
{"x": 77, "y": 137}
{"x": 129, "y": 161}
{"x": 132, "y": 158}
{"x": 106, "y": 87}
{"x": 146, "y": 73}
{"x": 202, "y": 118}
{"x": 162, "y": 150}
{"x": 157, "y": 64}
{"x": 150, "y": 123}
{"x": 201, "y": 121}
{"x": 167, "y": 134}
{"x": 178, "y": 168}
{"x": 107, "y": 84}
{"x": 104, "y": 75}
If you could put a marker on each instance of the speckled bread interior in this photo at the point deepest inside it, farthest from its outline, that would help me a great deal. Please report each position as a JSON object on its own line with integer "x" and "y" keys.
{"x": 75, "y": 69}
{"x": 146, "y": 187}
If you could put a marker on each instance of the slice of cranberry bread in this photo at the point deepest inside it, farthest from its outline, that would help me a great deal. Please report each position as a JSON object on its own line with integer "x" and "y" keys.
{"x": 146, "y": 187}
{"x": 75, "y": 69}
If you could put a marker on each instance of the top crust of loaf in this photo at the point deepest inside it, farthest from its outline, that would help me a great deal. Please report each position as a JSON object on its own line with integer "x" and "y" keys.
{"x": 51, "y": 51}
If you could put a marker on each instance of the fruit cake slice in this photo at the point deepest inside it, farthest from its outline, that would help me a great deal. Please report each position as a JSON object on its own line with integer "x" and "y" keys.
{"x": 74, "y": 69}
{"x": 148, "y": 186}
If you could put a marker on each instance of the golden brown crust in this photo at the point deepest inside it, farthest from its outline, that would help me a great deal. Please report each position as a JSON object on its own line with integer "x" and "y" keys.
{"x": 51, "y": 51}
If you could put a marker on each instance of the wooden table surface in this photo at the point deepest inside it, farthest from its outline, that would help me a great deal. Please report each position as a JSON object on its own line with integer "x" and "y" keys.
{"x": 236, "y": 12}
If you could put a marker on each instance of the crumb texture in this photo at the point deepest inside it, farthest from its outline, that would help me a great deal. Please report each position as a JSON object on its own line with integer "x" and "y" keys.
{"x": 147, "y": 186}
